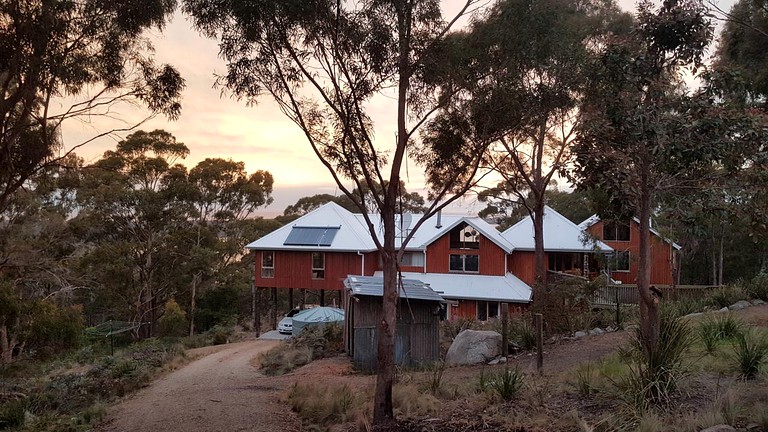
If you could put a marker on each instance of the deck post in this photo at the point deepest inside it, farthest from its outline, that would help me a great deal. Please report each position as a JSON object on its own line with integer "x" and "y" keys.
{"x": 504, "y": 329}
{"x": 274, "y": 308}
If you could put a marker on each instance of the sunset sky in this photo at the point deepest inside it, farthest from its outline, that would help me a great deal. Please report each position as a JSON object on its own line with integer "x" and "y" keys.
{"x": 212, "y": 124}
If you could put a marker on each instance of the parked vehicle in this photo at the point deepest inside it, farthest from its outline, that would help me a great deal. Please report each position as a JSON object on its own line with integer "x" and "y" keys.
{"x": 285, "y": 326}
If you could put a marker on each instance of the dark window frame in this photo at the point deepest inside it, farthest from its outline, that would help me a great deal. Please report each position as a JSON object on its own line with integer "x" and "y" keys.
{"x": 267, "y": 271}
{"x": 318, "y": 272}
{"x": 463, "y": 260}
{"x": 615, "y": 232}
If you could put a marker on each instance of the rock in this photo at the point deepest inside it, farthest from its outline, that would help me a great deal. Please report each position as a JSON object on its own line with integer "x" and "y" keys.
{"x": 610, "y": 329}
{"x": 494, "y": 361}
{"x": 739, "y": 305}
{"x": 757, "y": 302}
{"x": 725, "y": 309}
{"x": 695, "y": 314}
{"x": 579, "y": 334}
{"x": 596, "y": 331}
{"x": 502, "y": 360}
{"x": 474, "y": 347}
{"x": 719, "y": 428}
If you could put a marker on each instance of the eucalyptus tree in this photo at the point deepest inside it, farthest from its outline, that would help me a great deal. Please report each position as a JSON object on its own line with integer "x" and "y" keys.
{"x": 643, "y": 135}
{"x": 324, "y": 63}
{"x": 535, "y": 55}
{"x": 128, "y": 213}
{"x": 64, "y": 61}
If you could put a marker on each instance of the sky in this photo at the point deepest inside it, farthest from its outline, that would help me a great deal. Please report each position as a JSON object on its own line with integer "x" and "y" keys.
{"x": 214, "y": 124}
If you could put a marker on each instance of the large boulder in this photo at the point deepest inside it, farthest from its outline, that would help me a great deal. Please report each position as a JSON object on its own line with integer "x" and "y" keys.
{"x": 739, "y": 305}
{"x": 474, "y": 347}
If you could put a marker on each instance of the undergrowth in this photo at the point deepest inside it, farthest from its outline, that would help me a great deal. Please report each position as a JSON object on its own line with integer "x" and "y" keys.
{"x": 314, "y": 343}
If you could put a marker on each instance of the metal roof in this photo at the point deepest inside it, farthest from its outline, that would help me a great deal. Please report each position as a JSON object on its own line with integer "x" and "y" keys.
{"x": 374, "y": 286}
{"x": 560, "y": 235}
{"x": 506, "y": 288}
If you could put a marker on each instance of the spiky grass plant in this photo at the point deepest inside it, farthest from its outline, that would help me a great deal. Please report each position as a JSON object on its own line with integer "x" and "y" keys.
{"x": 508, "y": 384}
{"x": 749, "y": 353}
{"x": 714, "y": 330}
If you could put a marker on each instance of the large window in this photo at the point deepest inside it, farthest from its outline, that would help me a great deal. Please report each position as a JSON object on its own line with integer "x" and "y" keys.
{"x": 615, "y": 232}
{"x": 563, "y": 262}
{"x": 412, "y": 259}
{"x": 487, "y": 310}
{"x": 464, "y": 237}
{"x": 318, "y": 265}
{"x": 267, "y": 264}
{"x": 619, "y": 261}
{"x": 464, "y": 263}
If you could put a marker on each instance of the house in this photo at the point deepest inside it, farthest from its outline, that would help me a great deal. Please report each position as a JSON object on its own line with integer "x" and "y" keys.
{"x": 463, "y": 258}
{"x": 567, "y": 248}
{"x": 624, "y": 238}
{"x": 417, "y": 339}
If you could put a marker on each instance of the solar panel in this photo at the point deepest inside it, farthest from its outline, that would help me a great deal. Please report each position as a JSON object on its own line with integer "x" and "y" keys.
{"x": 311, "y": 236}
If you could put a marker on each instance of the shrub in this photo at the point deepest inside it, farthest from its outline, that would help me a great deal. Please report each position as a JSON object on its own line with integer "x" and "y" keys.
{"x": 750, "y": 351}
{"x": 758, "y": 287}
{"x": 220, "y": 334}
{"x": 410, "y": 402}
{"x": 12, "y": 413}
{"x": 55, "y": 329}
{"x": 321, "y": 405}
{"x": 585, "y": 377}
{"x": 712, "y": 331}
{"x": 285, "y": 358}
{"x": 726, "y": 296}
{"x": 652, "y": 377}
{"x": 452, "y": 328}
{"x": 507, "y": 384}
{"x": 522, "y": 332}
{"x": 174, "y": 320}
{"x": 436, "y": 377}
{"x": 313, "y": 343}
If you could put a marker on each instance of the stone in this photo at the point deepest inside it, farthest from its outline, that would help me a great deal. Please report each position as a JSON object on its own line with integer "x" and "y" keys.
{"x": 757, "y": 302}
{"x": 596, "y": 331}
{"x": 719, "y": 428}
{"x": 739, "y": 305}
{"x": 502, "y": 360}
{"x": 725, "y": 309}
{"x": 695, "y": 314}
{"x": 494, "y": 362}
{"x": 579, "y": 334}
{"x": 474, "y": 347}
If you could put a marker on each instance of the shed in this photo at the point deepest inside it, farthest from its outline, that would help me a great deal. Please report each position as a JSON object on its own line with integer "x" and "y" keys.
{"x": 417, "y": 337}
{"x": 316, "y": 317}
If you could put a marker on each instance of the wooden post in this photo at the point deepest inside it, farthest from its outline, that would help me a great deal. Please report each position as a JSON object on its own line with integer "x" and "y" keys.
{"x": 256, "y": 311}
{"x": 274, "y": 308}
{"x": 618, "y": 309}
{"x": 538, "y": 324}
{"x": 303, "y": 298}
{"x": 504, "y": 329}
{"x": 290, "y": 298}
{"x": 322, "y": 297}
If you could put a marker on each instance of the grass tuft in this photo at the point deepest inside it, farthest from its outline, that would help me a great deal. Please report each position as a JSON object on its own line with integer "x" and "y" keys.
{"x": 507, "y": 384}
{"x": 750, "y": 351}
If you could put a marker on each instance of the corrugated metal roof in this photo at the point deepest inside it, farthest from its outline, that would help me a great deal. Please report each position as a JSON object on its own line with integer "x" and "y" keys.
{"x": 560, "y": 235}
{"x": 474, "y": 287}
{"x": 595, "y": 219}
{"x": 374, "y": 286}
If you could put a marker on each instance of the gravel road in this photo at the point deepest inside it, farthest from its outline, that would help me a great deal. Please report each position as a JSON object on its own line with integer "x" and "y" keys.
{"x": 221, "y": 391}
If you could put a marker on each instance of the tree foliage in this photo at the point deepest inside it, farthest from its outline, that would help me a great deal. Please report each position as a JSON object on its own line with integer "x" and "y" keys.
{"x": 62, "y": 61}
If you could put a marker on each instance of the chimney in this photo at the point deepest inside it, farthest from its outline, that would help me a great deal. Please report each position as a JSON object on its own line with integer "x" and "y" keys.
{"x": 439, "y": 219}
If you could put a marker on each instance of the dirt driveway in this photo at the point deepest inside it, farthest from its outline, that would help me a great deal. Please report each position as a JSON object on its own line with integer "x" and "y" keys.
{"x": 221, "y": 391}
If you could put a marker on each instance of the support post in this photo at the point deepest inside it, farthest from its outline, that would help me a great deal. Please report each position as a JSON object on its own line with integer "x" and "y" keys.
{"x": 322, "y": 297}
{"x": 290, "y": 298}
{"x": 538, "y": 323}
{"x": 618, "y": 308}
{"x": 256, "y": 311}
{"x": 274, "y": 308}
{"x": 504, "y": 329}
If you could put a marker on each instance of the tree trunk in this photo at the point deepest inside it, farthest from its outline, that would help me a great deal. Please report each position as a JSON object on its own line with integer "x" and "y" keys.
{"x": 385, "y": 364}
{"x": 192, "y": 304}
{"x": 649, "y": 302}
{"x": 539, "y": 287}
{"x": 6, "y": 350}
{"x": 720, "y": 262}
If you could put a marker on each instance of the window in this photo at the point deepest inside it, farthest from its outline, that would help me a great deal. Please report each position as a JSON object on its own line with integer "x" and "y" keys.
{"x": 464, "y": 263}
{"x": 464, "y": 237}
{"x": 318, "y": 265}
{"x": 413, "y": 259}
{"x": 487, "y": 310}
{"x": 616, "y": 232}
{"x": 619, "y": 261}
{"x": 267, "y": 264}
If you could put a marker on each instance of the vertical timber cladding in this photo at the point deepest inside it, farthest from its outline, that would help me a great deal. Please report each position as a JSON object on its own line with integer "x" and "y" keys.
{"x": 491, "y": 256}
{"x": 661, "y": 255}
{"x": 523, "y": 265}
{"x": 294, "y": 270}
{"x": 417, "y": 341}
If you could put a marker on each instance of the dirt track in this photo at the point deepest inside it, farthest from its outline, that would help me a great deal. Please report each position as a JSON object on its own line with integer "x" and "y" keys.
{"x": 221, "y": 391}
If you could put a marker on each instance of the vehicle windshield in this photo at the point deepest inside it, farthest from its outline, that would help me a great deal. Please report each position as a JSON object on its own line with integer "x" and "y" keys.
{"x": 292, "y": 312}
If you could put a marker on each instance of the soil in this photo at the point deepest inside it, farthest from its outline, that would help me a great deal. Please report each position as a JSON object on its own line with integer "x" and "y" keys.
{"x": 223, "y": 389}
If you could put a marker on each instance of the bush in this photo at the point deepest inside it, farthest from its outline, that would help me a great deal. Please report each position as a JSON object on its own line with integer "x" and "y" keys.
{"x": 321, "y": 405}
{"x": 758, "y": 287}
{"x": 750, "y": 351}
{"x": 652, "y": 378}
{"x": 55, "y": 329}
{"x": 567, "y": 306}
{"x": 314, "y": 342}
{"x": 218, "y": 306}
{"x": 726, "y": 296}
{"x": 712, "y": 331}
{"x": 507, "y": 384}
{"x": 12, "y": 413}
{"x": 522, "y": 332}
{"x": 174, "y": 320}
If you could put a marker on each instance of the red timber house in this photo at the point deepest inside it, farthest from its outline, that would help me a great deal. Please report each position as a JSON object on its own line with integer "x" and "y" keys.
{"x": 625, "y": 240}
{"x": 567, "y": 248}
{"x": 464, "y": 259}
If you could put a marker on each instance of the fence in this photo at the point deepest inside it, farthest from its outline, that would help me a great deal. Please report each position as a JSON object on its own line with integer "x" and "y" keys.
{"x": 627, "y": 293}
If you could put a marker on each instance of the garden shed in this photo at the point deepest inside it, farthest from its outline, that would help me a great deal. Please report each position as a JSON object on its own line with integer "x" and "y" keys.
{"x": 417, "y": 340}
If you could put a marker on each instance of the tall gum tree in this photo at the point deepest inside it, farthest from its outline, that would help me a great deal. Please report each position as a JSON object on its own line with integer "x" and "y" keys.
{"x": 525, "y": 108}
{"x": 64, "y": 61}
{"x": 643, "y": 135}
{"x": 322, "y": 62}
